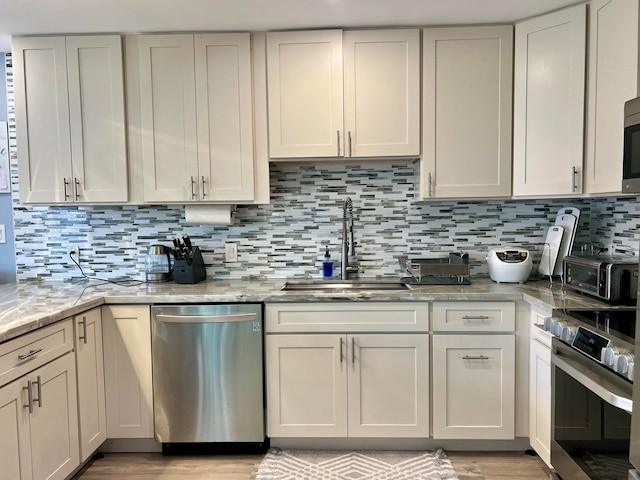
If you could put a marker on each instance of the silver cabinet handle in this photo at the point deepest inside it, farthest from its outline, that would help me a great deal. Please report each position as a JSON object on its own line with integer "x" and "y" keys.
{"x": 83, "y": 322}
{"x": 475, "y": 317}
{"x": 353, "y": 350}
{"x": 430, "y": 185}
{"x": 204, "y": 194}
{"x": 29, "y": 396}
{"x": 76, "y": 187}
{"x": 350, "y": 143}
{"x": 29, "y": 355}
{"x": 39, "y": 399}
{"x": 338, "y": 134}
{"x": 341, "y": 351}
{"x": 479, "y": 357}
{"x": 193, "y": 192}
{"x": 240, "y": 317}
{"x": 574, "y": 184}
{"x": 65, "y": 184}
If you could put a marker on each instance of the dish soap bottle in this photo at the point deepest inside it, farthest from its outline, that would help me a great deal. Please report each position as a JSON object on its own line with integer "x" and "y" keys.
{"x": 327, "y": 265}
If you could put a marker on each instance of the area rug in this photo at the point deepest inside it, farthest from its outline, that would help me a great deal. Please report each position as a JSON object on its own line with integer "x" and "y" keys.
{"x": 288, "y": 464}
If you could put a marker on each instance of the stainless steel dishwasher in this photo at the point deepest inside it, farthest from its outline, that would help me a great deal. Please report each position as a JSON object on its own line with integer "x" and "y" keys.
{"x": 208, "y": 374}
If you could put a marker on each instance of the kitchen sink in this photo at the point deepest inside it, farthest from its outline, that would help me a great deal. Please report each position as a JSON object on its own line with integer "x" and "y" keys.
{"x": 353, "y": 285}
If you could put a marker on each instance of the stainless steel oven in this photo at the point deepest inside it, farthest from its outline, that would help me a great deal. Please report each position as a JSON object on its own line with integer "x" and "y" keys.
{"x": 591, "y": 385}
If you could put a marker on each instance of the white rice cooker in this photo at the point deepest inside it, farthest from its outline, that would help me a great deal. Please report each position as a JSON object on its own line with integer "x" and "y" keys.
{"x": 509, "y": 264}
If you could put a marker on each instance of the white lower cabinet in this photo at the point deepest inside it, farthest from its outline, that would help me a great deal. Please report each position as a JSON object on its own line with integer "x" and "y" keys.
{"x": 39, "y": 423}
{"x": 90, "y": 368}
{"x": 127, "y": 364}
{"x": 355, "y": 384}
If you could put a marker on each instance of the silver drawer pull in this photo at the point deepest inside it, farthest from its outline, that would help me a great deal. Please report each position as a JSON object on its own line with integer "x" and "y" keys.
{"x": 29, "y": 396}
{"x": 30, "y": 354}
{"x": 479, "y": 357}
{"x": 353, "y": 350}
{"x": 83, "y": 322}
{"x": 476, "y": 317}
{"x": 341, "y": 350}
{"x": 39, "y": 399}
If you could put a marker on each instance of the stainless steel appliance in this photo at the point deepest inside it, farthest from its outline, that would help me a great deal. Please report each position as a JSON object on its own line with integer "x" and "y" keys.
{"x": 158, "y": 264}
{"x": 591, "y": 385}
{"x": 208, "y": 374}
{"x": 631, "y": 150}
{"x": 611, "y": 278}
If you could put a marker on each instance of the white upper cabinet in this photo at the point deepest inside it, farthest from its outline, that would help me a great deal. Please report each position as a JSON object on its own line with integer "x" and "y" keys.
{"x": 466, "y": 115}
{"x": 381, "y": 97}
{"x": 382, "y": 93}
{"x": 612, "y": 80}
{"x": 196, "y": 117}
{"x": 304, "y": 77}
{"x": 70, "y": 119}
{"x": 549, "y": 89}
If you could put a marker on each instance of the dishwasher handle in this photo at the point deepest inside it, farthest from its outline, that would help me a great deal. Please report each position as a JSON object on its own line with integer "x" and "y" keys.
{"x": 242, "y": 317}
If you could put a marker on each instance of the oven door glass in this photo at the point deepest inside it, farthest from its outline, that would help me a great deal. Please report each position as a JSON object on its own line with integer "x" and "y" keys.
{"x": 592, "y": 434}
{"x": 586, "y": 277}
{"x": 631, "y": 161}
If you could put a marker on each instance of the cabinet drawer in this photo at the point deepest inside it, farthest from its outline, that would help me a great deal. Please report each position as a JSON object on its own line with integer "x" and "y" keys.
{"x": 474, "y": 316}
{"x": 23, "y": 354}
{"x": 539, "y": 334}
{"x": 344, "y": 317}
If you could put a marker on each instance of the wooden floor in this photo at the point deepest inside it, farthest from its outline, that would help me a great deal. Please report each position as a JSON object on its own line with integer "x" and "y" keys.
{"x": 146, "y": 466}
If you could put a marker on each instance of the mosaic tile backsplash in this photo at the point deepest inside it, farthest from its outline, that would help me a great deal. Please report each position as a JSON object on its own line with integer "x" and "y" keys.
{"x": 287, "y": 238}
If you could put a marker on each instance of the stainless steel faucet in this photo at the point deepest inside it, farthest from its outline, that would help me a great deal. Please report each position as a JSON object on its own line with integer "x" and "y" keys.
{"x": 348, "y": 261}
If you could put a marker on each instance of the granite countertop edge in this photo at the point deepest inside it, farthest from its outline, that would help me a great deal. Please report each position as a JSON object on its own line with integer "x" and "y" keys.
{"x": 28, "y": 306}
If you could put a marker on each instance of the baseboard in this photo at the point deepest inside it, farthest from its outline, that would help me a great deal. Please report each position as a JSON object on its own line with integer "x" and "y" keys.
{"x": 401, "y": 444}
{"x": 128, "y": 445}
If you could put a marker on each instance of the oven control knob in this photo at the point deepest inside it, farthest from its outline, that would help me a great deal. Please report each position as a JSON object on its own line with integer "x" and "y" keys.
{"x": 630, "y": 372}
{"x": 557, "y": 326}
{"x": 609, "y": 356}
{"x": 568, "y": 332}
{"x": 622, "y": 365}
{"x": 548, "y": 322}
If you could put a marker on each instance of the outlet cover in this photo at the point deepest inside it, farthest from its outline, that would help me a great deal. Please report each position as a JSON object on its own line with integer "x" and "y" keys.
{"x": 231, "y": 252}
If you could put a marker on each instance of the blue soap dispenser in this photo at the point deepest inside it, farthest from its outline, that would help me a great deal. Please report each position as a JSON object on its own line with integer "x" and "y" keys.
{"x": 327, "y": 265}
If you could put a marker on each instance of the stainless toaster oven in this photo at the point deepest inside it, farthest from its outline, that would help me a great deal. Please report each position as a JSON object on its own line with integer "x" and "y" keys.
{"x": 610, "y": 278}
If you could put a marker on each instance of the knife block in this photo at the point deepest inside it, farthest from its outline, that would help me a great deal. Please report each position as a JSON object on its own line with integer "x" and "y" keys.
{"x": 191, "y": 271}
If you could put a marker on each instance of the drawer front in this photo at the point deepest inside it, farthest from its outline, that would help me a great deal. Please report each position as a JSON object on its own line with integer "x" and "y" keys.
{"x": 23, "y": 354}
{"x": 474, "y": 316}
{"x": 539, "y": 334}
{"x": 346, "y": 317}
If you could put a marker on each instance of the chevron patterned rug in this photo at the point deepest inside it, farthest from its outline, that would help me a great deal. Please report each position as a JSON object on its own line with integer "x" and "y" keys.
{"x": 363, "y": 465}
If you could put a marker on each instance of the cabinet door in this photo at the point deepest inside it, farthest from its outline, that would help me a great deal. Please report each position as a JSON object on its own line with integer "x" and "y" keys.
{"x": 55, "y": 448}
{"x": 306, "y": 385}
{"x": 15, "y": 441}
{"x": 42, "y": 119}
{"x": 96, "y": 109}
{"x": 382, "y": 92}
{"x": 388, "y": 385}
{"x": 224, "y": 117}
{"x": 467, "y": 91}
{"x": 127, "y": 371}
{"x": 473, "y": 386}
{"x": 549, "y": 80}
{"x": 613, "y": 79}
{"x": 90, "y": 367}
{"x": 304, "y": 74}
{"x": 540, "y": 400}
{"x": 168, "y": 117}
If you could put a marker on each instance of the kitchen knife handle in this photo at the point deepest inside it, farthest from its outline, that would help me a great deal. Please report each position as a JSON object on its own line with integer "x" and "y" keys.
{"x": 83, "y": 322}
{"x": 204, "y": 194}
{"x": 76, "y": 187}
{"x": 338, "y": 134}
{"x": 350, "y": 143}
{"x": 574, "y": 184}
{"x": 29, "y": 396}
{"x": 193, "y": 191}
{"x": 65, "y": 183}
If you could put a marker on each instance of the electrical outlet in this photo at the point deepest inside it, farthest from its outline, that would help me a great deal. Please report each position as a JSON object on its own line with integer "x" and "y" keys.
{"x": 231, "y": 252}
{"x": 73, "y": 253}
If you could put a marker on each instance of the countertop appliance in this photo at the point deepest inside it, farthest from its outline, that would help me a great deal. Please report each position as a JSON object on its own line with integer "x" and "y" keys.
{"x": 611, "y": 278}
{"x": 158, "y": 264}
{"x": 509, "y": 265}
{"x": 631, "y": 149}
{"x": 592, "y": 367}
{"x": 208, "y": 375}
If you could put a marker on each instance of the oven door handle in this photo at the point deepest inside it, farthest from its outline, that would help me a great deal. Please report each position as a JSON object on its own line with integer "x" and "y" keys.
{"x": 603, "y": 389}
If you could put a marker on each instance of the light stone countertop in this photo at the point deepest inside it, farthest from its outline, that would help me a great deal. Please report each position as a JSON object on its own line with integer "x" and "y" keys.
{"x": 28, "y": 306}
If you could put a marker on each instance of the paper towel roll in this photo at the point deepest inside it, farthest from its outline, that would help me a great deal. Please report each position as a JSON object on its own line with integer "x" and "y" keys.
{"x": 208, "y": 214}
